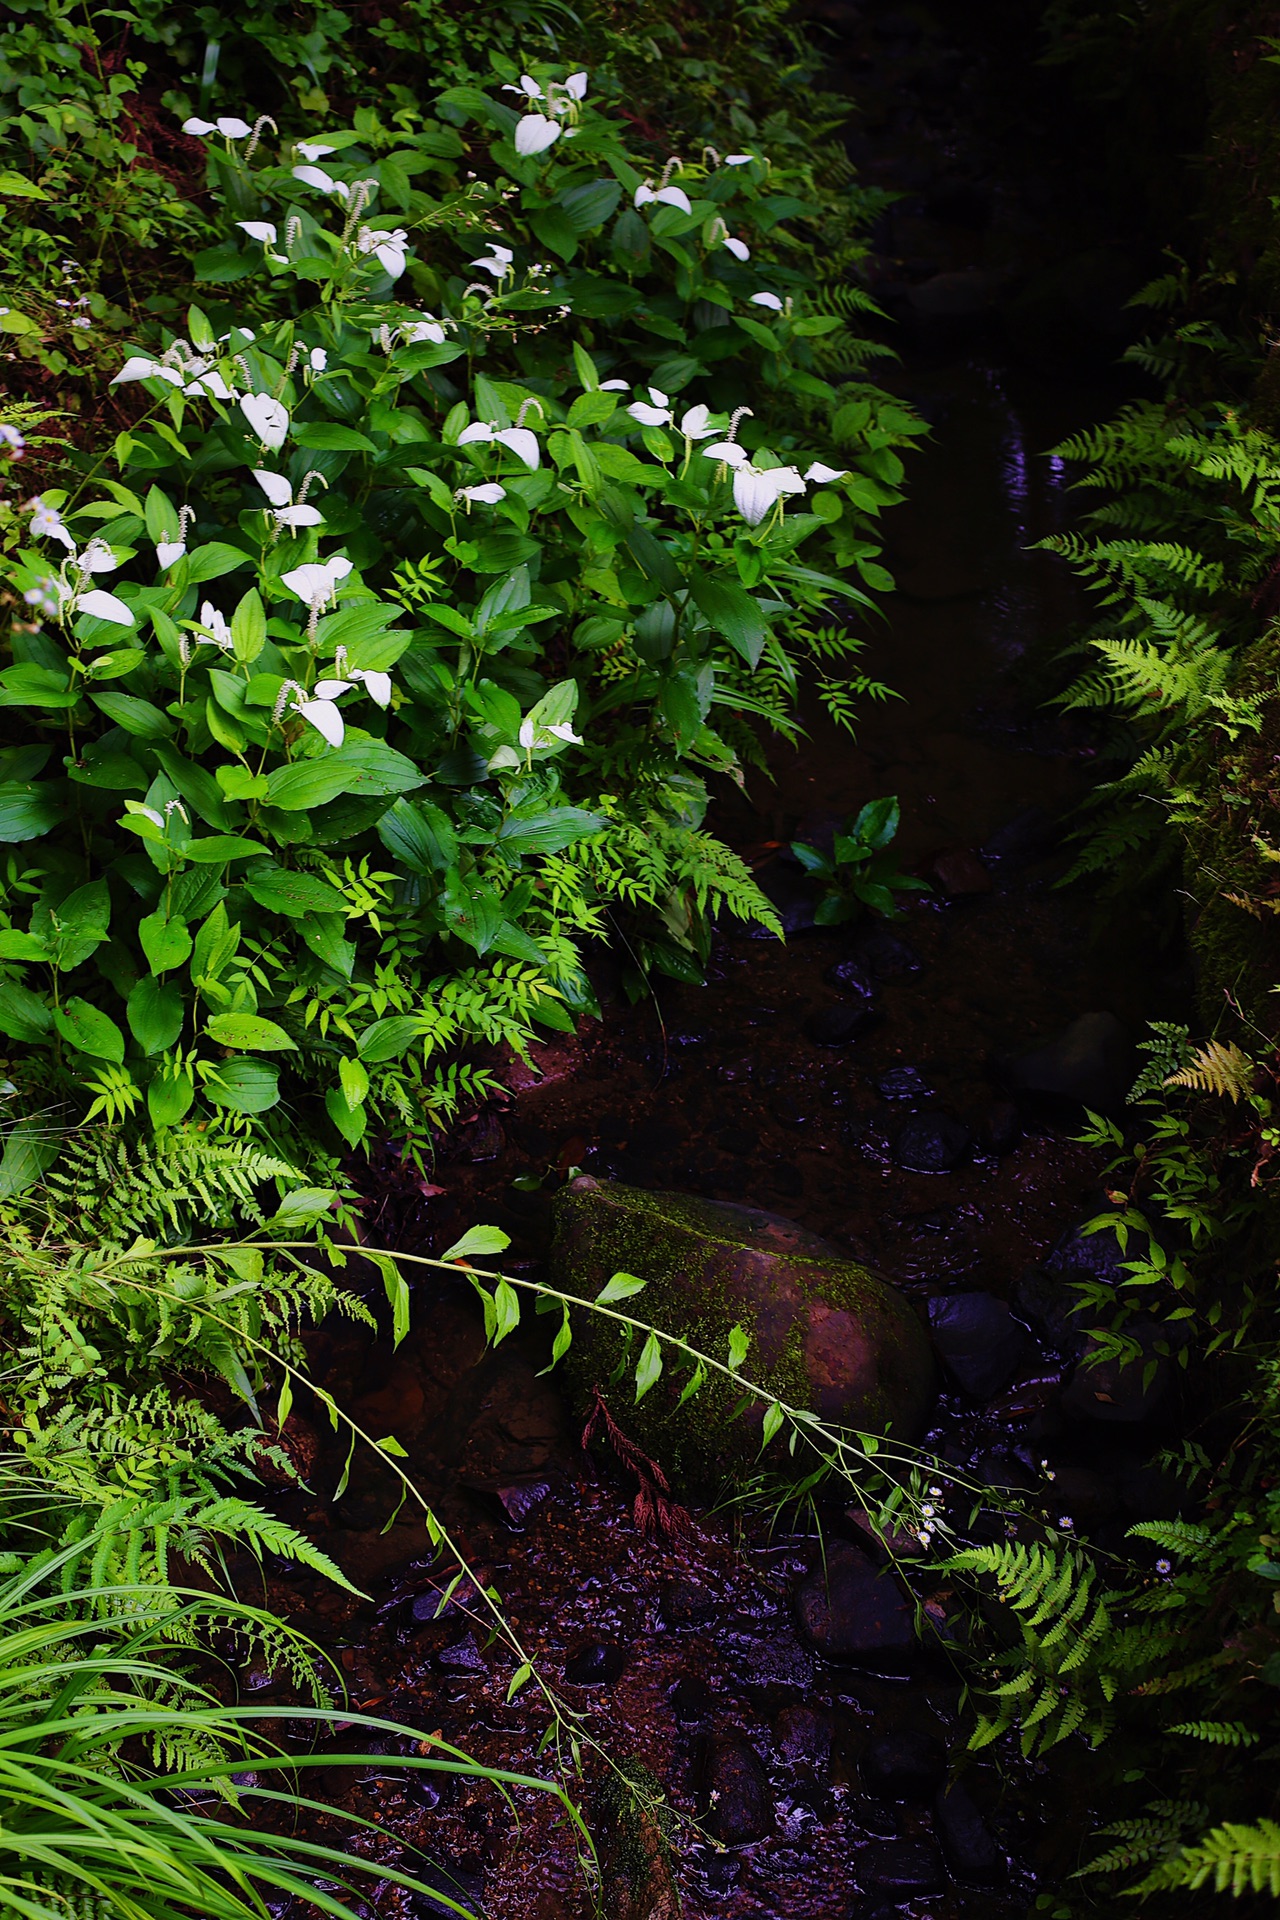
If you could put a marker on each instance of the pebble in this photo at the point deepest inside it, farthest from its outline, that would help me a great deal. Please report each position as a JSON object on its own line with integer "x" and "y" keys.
{"x": 803, "y": 1738}
{"x": 959, "y": 873}
{"x": 971, "y": 1852}
{"x": 684, "y": 1602}
{"x": 931, "y": 1143}
{"x": 738, "y": 1806}
{"x": 981, "y": 1344}
{"x": 691, "y": 1701}
{"x": 463, "y": 1656}
{"x": 595, "y": 1665}
{"x": 903, "y": 1083}
{"x": 851, "y": 977}
{"x": 770, "y": 1665}
{"x": 885, "y": 956}
{"x": 851, "y": 1610}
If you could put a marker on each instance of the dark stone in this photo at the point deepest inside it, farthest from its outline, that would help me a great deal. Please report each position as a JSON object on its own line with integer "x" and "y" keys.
{"x": 685, "y": 1602}
{"x": 803, "y": 1737}
{"x": 455, "y": 1886}
{"x": 1048, "y": 1305}
{"x": 981, "y": 1344}
{"x": 516, "y": 1502}
{"x": 1028, "y": 836}
{"x": 1089, "y": 1256}
{"x": 772, "y": 1665}
{"x": 1116, "y": 1391}
{"x": 876, "y": 1817}
{"x": 792, "y": 896}
{"x": 903, "y": 1083}
{"x": 463, "y": 1657}
{"x": 972, "y": 1853}
{"x": 791, "y": 1111}
{"x": 691, "y": 1701}
{"x": 850, "y": 1610}
{"x": 907, "y": 1765}
{"x": 1090, "y": 1064}
{"x": 595, "y": 1665}
{"x": 850, "y": 977}
{"x": 959, "y": 873}
{"x": 837, "y": 1026}
{"x": 903, "y": 1868}
{"x": 886, "y": 956}
{"x": 931, "y": 1143}
{"x": 735, "y": 1792}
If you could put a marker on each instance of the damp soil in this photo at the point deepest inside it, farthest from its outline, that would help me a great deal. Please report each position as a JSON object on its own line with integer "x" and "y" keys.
{"x": 801, "y": 1077}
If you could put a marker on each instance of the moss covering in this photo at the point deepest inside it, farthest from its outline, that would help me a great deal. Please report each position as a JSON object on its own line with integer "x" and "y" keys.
{"x": 708, "y": 1268}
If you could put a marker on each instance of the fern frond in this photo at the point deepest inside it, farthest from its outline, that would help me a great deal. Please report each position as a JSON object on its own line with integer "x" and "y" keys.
{"x": 1220, "y": 1067}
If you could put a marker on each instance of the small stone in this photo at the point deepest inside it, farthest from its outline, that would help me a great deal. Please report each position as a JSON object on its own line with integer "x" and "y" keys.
{"x": 691, "y": 1701}
{"x": 981, "y": 1344}
{"x": 839, "y": 1025}
{"x": 769, "y": 1665}
{"x": 595, "y": 1665}
{"x": 903, "y": 1083}
{"x": 791, "y": 1111}
{"x": 852, "y": 1611}
{"x": 887, "y": 957}
{"x": 685, "y": 1603}
{"x": 803, "y": 1737}
{"x": 907, "y": 1765}
{"x": 959, "y": 873}
{"x": 903, "y": 1868}
{"x": 972, "y": 1853}
{"x": 931, "y": 1143}
{"x": 1090, "y": 1064}
{"x": 463, "y": 1657}
{"x": 851, "y": 977}
{"x": 735, "y": 1792}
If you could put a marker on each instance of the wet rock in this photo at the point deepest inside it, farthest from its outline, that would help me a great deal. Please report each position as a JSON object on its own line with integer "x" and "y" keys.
{"x": 971, "y": 1851}
{"x": 463, "y": 1657}
{"x": 850, "y": 1610}
{"x": 903, "y": 1083}
{"x": 964, "y": 292}
{"x": 772, "y": 1665}
{"x": 891, "y": 1542}
{"x": 904, "y": 1869}
{"x": 456, "y": 1887}
{"x": 959, "y": 873}
{"x": 981, "y": 1344}
{"x": 691, "y": 1701}
{"x": 885, "y": 956}
{"x": 931, "y": 1143}
{"x": 803, "y": 1738}
{"x": 1092, "y": 1256}
{"x": 790, "y": 1110}
{"x": 851, "y": 977}
{"x": 516, "y": 1502}
{"x": 876, "y": 1817}
{"x": 479, "y": 1139}
{"x": 837, "y": 1026}
{"x": 1114, "y": 1391}
{"x": 735, "y": 1792}
{"x": 685, "y": 1602}
{"x": 1050, "y": 1307}
{"x": 595, "y": 1665}
{"x": 1090, "y": 1064}
{"x": 1030, "y": 835}
{"x": 825, "y": 1330}
{"x": 906, "y": 1765}
{"x": 793, "y": 897}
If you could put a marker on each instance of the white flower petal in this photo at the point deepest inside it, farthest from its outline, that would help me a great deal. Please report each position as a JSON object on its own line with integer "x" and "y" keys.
{"x": 495, "y": 267}
{"x": 576, "y": 85}
{"x": 303, "y": 516}
{"x": 694, "y": 424}
{"x": 644, "y": 194}
{"x": 318, "y": 359}
{"x": 767, "y": 300}
{"x": 522, "y": 442}
{"x": 324, "y": 717}
{"x": 211, "y": 385}
{"x": 98, "y": 558}
{"x": 738, "y": 248}
{"x": 428, "y": 328}
{"x": 275, "y": 486}
{"x": 487, "y": 495}
{"x": 478, "y": 430}
{"x": 535, "y": 133}
{"x": 330, "y": 689}
{"x": 104, "y": 606}
{"x": 753, "y": 493}
{"x": 529, "y": 86}
{"x": 648, "y": 416}
{"x": 738, "y": 159}
{"x": 259, "y": 230}
{"x": 197, "y": 127}
{"x": 315, "y": 149}
{"x": 140, "y": 368}
{"x": 727, "y": 450}
{"x": 269, "y": 420}
{"x": 563, "y": 731}
{"x": 823, "y": 474}
{"x": 167, "y": 551}
{"x": 674, "y": 197}
{"x": 318, "y": 178}
{"x": 233, "y": 129}
{"x": 615, "y": 386}
{"x": 392, "y": 256}
{"x": 377, "y": 686}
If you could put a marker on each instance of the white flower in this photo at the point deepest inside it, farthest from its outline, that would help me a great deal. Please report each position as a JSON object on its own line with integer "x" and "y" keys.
{"x": 138, "y": 367}
{"x": 738, "y": 159}
{"x": 47, "y": 596}
{"x": 615, "y": 386}
{"x": 13, "y": 440}
{"x": 317, "y": 359}
{"x": 535, "y": 133}
{"x": 390, "y": 249}
{"x": 97, "y": 558}
{"x": 324, "y": 182}
{"x": 767, "y": 300}
{"x": 259, "y": 230}
{"x": 756, "y": 489}
{"x": 317, "y": 581}
{"x": 427, "y": 328}
{"x": 528, "y": 86}
{"x": 167, "y": 551}
{"x": 214, "y": 630}
{"x": 47, "y": 524}
{"x": 738, "y": 248}
{"x": 376, "y": 685}
{"x": 319, "y": 711}
{"x": 229, "y": 127}
{"x": 521, "y": 440}
{"x": 487, "y": 495}
{"x": 656, "y": 415}
{"x": 81, "y": 320}
{"x": 315, "y": 149}
{"x": 497, "y": 262}
{"x": 210, "y": 384}
{"x": 541, "y": 735}
{"x": 727, "y": 450}
{"x": 694, "y": 423}
{"x": 668, "y": 196}
{"x": 280, "y": 493}
{"x": 824, "y": 474}
{"x": 576, "y": 85}
{"x": 1164, "y": 1566}
{"x": 269, "y": 420}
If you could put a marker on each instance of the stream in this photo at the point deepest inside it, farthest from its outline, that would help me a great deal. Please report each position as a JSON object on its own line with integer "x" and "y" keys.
{"x": 856, "y": 1080}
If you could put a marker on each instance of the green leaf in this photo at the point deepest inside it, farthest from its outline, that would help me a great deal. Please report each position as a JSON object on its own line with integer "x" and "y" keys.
{"x": 155, "y": 1012}
{"x": 28, "y": 1150}
{"x": 166, "y": 943}
{"x": 420, "y": 834}
{"x": 76, "y": 926}
{"x": 351, "y": 1120}
{"x": 878, "y": 822}
{"x": 387, "y": 1039}
{"x": 29, "y": 685}
{"x": 23, "y": 1014}
{"x": 589, "y": 409}
{"x": 210, "y": 562}
{"x": 249, "y": 1030}
{"x": 216, "y": 849}
{"x": 476, "y": 1242}
{"x": 137, "y": 717}
{"x": 648, "y": 1367}
{"x": 772, "y": 1421}
{"x": 327, "y": 435}
{"x": 697, "y": 1379}
{"x": 732, "y": 612}
{"x": 246, "y": 1086}
{"x": 739, "y": 1346}
{"x": 362, "y": 766}
{"x": 506, "y": 1310}
{"x": 28, "y": 809}
{"x": 620, "y": 1287}
{"x": 89, "y": 1030}
{"x": 282, "y": 890}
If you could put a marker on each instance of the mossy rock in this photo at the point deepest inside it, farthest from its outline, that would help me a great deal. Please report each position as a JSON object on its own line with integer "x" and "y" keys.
{"x": 826, "y": 1334}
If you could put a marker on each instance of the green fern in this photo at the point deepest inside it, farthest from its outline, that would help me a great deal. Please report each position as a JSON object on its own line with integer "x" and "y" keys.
{"x": 1231, "y": 1859}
